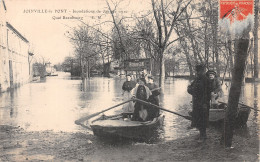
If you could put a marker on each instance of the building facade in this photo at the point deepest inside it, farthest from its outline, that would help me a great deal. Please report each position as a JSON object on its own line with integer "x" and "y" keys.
{"x": 14, "y": 56}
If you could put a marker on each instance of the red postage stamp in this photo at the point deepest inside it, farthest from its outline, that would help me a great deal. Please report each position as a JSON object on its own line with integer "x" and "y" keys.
{"x": 236, "y": 9}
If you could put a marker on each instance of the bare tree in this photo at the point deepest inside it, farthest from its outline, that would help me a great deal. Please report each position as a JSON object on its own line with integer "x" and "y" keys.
{"x": 166, "y": 19}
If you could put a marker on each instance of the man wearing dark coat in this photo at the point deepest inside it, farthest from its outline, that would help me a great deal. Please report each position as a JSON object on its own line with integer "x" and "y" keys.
{"x": 154, "y": 98}
{"x": 200, "y": 102}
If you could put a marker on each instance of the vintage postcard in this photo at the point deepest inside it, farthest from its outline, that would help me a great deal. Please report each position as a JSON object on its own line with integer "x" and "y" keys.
{"x": 129, "y": 80}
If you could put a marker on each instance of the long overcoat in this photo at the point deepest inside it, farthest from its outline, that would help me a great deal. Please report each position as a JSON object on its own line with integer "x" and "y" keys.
{"x": 200, "y": 103}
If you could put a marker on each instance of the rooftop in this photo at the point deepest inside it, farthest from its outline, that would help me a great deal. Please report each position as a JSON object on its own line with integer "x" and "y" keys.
{"x": 16, "y": 32}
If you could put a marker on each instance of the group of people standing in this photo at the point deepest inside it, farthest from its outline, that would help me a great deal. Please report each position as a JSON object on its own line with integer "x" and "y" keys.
{"x": 205, "y": 89}
{"x": 144, "y": 89}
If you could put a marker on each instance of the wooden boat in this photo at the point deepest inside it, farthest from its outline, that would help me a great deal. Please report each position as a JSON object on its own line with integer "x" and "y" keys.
{"x": 218, "y": 114}
{"x": 117, "y": 126}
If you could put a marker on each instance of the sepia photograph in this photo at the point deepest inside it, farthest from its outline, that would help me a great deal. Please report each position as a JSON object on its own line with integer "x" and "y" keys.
{"x": 129, "y": 80}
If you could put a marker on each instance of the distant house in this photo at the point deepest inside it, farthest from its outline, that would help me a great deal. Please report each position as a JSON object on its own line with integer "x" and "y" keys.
{"x": 136, "y": 64}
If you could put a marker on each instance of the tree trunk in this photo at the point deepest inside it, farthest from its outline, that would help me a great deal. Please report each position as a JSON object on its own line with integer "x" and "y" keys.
{"x": 82, "y": 66}
{"x": 103, "y": 59}
{"x": 215, "y": 39}
{"x": 193, "y": 49}
{"x": 230, "y": 53}
{"x": 71, "y": 66}
{"x": 206, "y": 43}
{"x": 251, "y": 61}
{"x": 173, "y": 66}
{"x": 193, "y": 42}
{"x": 235, "y": 90}
{"x": 256, "y": 40}
{"x": 162, "y": 69}
{"x": 185, "y": 47}
{"x": 187, "y": 58}
{"x": 88, "y": 70}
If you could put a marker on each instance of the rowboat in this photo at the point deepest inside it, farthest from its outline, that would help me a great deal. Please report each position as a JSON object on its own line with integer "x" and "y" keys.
{"x": 218, "y": 114}
{"x": 117, "y": 126}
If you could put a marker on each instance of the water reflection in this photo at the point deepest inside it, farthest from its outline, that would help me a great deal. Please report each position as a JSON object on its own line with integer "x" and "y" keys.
{"x": 12, "y": 103}
{"x": 56, "y": 102}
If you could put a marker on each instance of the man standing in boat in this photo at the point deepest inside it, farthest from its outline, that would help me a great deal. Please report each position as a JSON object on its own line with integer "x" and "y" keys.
{"x": 128, "y": 85}
{"x": 154, "y": 98}
{"x": 200, "y": 104}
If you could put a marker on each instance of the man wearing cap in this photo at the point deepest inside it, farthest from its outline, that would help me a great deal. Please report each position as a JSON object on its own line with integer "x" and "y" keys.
{"x": 154, "y": 98}
{"x": 200, "y": 104}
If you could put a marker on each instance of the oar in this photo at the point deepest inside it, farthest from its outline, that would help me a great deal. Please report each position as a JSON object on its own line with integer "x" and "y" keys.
{"x": 150, "y": 104}
{"x": 78, "y": 122}
{"x": 242, "y": 105}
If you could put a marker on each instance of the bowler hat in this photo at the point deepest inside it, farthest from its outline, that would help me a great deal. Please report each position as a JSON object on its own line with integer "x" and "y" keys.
{"x": 199, "y": 67}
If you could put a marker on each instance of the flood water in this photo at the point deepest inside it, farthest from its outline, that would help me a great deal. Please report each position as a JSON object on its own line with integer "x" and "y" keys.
{"x": 56, "y": 102}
